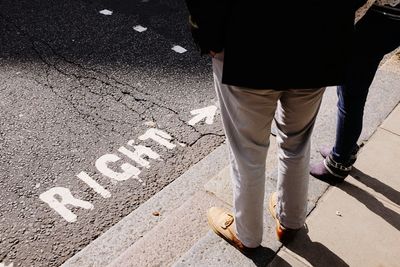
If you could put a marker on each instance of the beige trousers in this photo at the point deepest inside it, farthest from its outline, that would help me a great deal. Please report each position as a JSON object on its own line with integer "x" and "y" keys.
{"x": 247, "y": 115}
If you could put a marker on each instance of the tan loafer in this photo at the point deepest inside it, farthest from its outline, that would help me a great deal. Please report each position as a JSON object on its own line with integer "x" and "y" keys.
{"x": 223, "y": 224}
{"x": 284, "y": 235}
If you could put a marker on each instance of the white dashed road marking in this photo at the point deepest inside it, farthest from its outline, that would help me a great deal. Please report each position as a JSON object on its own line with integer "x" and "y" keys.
{"x": 179, "y": 49}
{"x": 139, "y": 28}
{"x": 106, "y": 12}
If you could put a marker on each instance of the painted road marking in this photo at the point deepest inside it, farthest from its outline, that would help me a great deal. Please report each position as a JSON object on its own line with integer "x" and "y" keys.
{"x": 139, "y": 152}
{"x": 179, "y": 49}
{"x": 128, "y": 170}
{"x": 59, "y": 197}
{"x": 159, "y": 137}
{"x": 207, "y": 113}
{"x": 106, "y": 12}
{"x": 139, "y": 28}
{"x": 150, "y": 124}
{"x": 66, "y": 198}
{"x": 94, "y": 185}
{"x": 131, "y": 142}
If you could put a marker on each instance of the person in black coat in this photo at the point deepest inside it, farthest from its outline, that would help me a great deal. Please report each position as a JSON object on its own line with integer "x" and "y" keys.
{"x": 271, "y": 60}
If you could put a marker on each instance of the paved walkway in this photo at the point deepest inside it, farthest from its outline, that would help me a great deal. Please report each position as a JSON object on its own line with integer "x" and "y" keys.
{"x": 358, "y": 222}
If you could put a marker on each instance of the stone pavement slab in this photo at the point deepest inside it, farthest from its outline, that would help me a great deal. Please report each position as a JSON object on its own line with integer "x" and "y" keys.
{"x": 173, "y": 236}
{"x": 212, "y": 250}
{"x": 392, "y": 123}
{"x": 356, "y": 223}
{"x": 358, "y": 237}
{"x": 377, "y": 168}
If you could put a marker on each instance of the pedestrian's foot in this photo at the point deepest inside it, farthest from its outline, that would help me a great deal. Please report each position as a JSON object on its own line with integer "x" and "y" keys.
{"x": 284, "y": 234}
{"x": 330, "y": 171}
{"x": 223, "y": 224}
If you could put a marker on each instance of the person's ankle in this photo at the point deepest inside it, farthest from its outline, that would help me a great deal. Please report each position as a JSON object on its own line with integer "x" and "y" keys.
{"x": 337, "y": 169}
{"x": 346, "y": 160}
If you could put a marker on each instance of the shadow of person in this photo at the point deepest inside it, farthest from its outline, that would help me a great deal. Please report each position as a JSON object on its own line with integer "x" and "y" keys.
{"x": 373, "y": 183}
{"x": 262, "y": 256}
{"x": 372, "y": 203}
{"x": 314, "y": 252}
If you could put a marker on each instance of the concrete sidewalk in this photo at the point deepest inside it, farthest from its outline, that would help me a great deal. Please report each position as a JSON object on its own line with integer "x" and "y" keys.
{"x": 357, "y": 223}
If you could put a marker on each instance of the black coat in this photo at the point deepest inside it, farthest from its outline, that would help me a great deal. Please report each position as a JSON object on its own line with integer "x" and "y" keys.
{"x": 277, "y": 44}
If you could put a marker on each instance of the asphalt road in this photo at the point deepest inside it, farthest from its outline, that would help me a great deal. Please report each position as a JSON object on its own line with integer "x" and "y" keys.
{"x": 95, "y": 118}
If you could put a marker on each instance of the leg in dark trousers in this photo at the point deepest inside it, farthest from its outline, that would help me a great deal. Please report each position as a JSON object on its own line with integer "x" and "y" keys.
{"x": 376, "y": 36}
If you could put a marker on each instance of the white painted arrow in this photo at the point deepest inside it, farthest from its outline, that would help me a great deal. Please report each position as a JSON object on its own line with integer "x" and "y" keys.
{"x": 207, "y": 113}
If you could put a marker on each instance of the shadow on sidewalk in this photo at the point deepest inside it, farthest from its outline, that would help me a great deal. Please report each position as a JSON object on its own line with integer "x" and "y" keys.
{"x": 369, "y": 200}
{"x": 373, "y": 183}
{"x": 314, "y": 253}
{"x": 262, "y": 256}
{"x": 372, "y": 204}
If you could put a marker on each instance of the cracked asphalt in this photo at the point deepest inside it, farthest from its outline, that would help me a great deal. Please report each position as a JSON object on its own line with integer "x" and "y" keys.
{"x": 76, "y": 85}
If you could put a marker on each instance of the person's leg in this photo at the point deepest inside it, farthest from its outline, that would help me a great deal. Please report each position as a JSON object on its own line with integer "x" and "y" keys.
{"x": 295, "y": 118}
{"x": 376, "y": 35}
{"x": 247, "y": 115}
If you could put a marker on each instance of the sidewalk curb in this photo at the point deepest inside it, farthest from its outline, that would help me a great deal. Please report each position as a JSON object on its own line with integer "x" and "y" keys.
{"x": 130, "y": 229}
